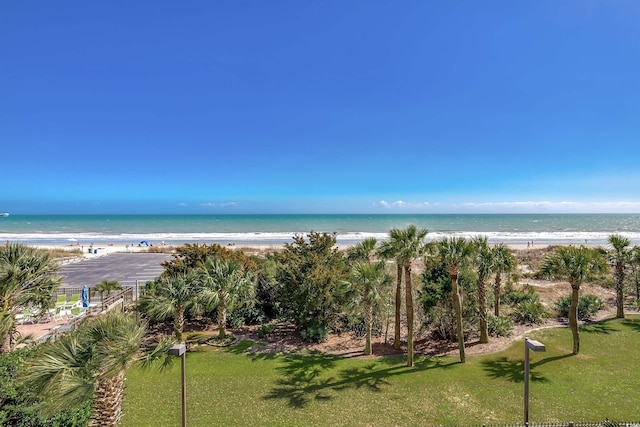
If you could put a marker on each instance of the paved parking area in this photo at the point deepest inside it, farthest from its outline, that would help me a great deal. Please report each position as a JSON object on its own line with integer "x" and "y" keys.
{"x": 126, "y": 268}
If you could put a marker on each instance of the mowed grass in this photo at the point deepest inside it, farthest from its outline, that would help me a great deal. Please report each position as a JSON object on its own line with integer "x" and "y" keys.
{"x": 235, "y": 388}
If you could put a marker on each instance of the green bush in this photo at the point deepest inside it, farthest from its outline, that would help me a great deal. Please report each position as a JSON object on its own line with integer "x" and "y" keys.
{"x": 529, "y": 312}
{"x": 315, "y": 333}
{"x": 514, "y": 298}
{"x": 588, "y": 306}
{"x": 500, "y": 326}
{"x": 265, "y": 330}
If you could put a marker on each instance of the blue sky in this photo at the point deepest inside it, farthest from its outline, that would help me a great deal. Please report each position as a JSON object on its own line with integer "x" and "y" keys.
{"x": 320, "y": 106}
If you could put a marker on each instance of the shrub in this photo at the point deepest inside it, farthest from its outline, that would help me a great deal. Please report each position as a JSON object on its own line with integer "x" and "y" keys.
{"x": 315, "y": 333}
{"x": 588, "y": 306}
{"x": 265, "y": 330}
{"x": 516, "y": 297}
{"x": 529, "y": 312}
{"x": 500, "y": 326}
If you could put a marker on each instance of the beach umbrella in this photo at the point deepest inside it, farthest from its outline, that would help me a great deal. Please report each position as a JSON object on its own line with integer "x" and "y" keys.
{"x": 85, "y": 296}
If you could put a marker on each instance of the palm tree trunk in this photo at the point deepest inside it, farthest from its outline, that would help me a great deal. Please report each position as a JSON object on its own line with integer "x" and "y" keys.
{"x": 496, "y": 294}
{"x": 409, "y": 307}
{"x": 396, "y": 338}
{"x": 369, "y": 320}
{"x": 620, "y": 290}
{"x": 482, "y": 306}
{"x": 222, "y": 319}
{"x": 107, "y": 403}
{"x": 457, "y": 308}
{"x": 573, "y": 317}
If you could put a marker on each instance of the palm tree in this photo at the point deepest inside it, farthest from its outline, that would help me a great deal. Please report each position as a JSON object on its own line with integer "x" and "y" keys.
{"x": 484, "y": 261}
{"x": 620, "y": 257}
{"x": 224, "y": 285}
{"x": 363, "y": 251}
{"x": 575, "y": 265}
{"x": 454, "y": 253}
{"x": 27, "y": 278}
{"x": 106, "y": 287}
{"x": 171, "y": 299}
{"x": 371, "y": 279}
{"x": 92, "y": 361}
{"x": 405, "y": 245}
{"x": 390, "y": 250}
{"x": 504, "y": 262}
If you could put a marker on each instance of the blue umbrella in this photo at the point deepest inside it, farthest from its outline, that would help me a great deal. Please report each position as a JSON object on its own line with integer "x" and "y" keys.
{"x": 85, "y": 296}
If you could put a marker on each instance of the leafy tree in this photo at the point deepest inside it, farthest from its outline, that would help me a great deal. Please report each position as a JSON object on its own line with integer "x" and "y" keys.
{"x": 484, "y": 261}
{"x": 313, "y": 277}
{"x": 91, "y": 361}
{"x": 454, "y": 253}
{"x": 27, "y": 278}
{"x": 224, "y": 285}
{"x": 171, "y": 298}
{"x": 575, "y": 265}
{"x": 619, "y": 256}
{"x": 370, "y": 279}
{"x": 505, "y": 262}
{"x": 193, "y": 255}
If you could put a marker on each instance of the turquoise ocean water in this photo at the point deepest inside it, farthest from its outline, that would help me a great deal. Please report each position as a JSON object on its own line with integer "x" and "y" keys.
{"x": 508, "y": 228}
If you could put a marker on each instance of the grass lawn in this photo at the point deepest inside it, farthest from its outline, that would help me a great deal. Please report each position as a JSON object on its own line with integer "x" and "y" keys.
{"x": 233, "y": 387}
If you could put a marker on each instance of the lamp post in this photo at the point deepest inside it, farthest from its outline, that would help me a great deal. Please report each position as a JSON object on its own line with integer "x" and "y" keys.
{"x": 534, "y": 346}
{"x": 181, "y": 350}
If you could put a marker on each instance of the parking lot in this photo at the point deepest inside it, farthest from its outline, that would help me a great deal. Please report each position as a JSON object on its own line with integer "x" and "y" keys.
{"x": 126, "y": 268}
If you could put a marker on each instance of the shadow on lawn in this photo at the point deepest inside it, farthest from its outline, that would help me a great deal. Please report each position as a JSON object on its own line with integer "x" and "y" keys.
{"x": 308, "y": 377}
{"x": 513, "y": 370}
{"x": 601, "y": 327}
{"x": 632, "y": 323}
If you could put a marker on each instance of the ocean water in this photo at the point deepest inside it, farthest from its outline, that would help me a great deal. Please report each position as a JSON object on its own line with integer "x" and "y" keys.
{"x": 277, "y": 229}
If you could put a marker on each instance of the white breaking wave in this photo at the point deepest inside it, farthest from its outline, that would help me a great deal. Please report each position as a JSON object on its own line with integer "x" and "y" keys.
{"x": 284, "y": 237}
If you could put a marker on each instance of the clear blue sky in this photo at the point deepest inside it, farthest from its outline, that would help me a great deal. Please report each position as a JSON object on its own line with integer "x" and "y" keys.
{"x": 319, "y": 106}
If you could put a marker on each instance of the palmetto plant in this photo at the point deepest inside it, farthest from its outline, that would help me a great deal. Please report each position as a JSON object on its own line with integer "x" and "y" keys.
{"x": 454, "y": 253}
{"x": 27, "y": 278}
{"x": 575, "y": 265}
{"x": 171, "y": 299}
{"x": 504, "y": 262}
{"x": 370, "y": 279}
{"x": 224, "y": 285}
{"x": 619, "y": 257}
{"x": 92, "y": 361}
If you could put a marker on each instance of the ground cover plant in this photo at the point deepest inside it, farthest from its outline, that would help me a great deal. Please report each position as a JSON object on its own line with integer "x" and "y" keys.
{"x": 238, "y": 386}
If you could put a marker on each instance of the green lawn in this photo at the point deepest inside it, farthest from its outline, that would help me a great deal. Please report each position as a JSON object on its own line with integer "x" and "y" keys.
{"x": 232, "y": 387}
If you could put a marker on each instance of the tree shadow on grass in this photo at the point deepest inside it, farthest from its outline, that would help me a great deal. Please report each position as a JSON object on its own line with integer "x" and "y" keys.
{"x": 513, "y": 369}
{"x": 308, "y": 377}
{"x": 597, "y": 328}
{"x": 632, "y": 323}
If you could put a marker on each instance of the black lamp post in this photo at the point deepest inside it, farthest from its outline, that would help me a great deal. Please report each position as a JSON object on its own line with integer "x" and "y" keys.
{"x": 181, "y": 350}
{"x": 534, "y": 346}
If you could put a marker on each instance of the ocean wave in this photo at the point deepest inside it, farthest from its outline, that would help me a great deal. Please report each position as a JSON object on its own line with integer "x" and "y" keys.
{"x": 560, "y": 237}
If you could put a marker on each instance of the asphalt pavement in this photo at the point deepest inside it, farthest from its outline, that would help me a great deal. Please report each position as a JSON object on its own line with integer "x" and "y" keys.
{"x": 126, "y": 268}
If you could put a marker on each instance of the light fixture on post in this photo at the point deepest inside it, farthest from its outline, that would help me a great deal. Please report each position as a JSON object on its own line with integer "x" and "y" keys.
{"x": 533, "y": 346}
{"x": 181, "y": 350}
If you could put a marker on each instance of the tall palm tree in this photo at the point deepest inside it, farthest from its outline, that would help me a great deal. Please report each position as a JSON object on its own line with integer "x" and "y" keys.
{"x": 619, "y": 257}
{"x": 27, "y": 278}
{"x": 390, "y": 249}
{"x": 504, "y": 262}
{"x": 171, "y": 299}
{"x": 371, "y": 279}
{"x": 92, "y": 361}
{"x": 406, "y": 245}
{"x": 454, "y": 253}
{"x": 484, "y": 261}
{"x": 575, "y": 265}
{"x": 224, "y": 285}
